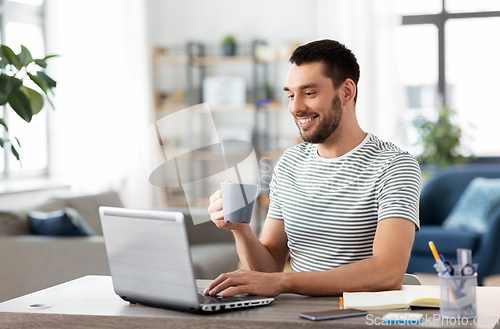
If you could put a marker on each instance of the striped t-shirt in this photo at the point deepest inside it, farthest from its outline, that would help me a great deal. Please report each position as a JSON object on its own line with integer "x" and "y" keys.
{"x": 331, "y": 207}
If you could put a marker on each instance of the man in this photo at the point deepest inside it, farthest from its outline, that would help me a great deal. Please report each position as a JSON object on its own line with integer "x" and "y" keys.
{"x": 344, "y": 204}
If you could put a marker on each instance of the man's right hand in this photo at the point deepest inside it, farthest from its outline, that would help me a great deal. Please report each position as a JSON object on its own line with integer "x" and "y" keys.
{"x": 217, "y": 215}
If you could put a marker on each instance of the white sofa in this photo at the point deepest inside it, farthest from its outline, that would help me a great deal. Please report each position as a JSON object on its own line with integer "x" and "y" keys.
{"x": 29, "y": 263}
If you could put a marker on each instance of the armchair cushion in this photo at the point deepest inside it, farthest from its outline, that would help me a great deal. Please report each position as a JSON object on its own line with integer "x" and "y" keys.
{"x": 474, "y": 206}
{"x": 447, "y": 240}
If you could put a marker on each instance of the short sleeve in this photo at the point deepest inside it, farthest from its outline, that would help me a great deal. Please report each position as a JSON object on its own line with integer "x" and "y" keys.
{"x": 399, "y": 190}
{"x": 274, "y": 210}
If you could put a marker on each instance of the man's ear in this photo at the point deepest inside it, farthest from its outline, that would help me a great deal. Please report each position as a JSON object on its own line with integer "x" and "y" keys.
{"x": 348, "y": 91}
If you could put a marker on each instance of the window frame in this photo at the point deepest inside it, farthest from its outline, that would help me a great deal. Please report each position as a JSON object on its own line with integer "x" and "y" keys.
{"x": 439, "y": 20}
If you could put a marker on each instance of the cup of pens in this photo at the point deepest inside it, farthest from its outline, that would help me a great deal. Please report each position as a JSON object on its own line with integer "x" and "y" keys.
{"x": 457, "y": 284}
{"x": 458, "y": 296}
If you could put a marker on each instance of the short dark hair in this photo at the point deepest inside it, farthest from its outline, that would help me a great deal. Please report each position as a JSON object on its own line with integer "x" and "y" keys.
{"x": 340, "y": 62}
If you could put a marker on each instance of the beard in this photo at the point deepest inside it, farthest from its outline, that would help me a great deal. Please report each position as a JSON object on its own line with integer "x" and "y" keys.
{"x": 327, "y": 126}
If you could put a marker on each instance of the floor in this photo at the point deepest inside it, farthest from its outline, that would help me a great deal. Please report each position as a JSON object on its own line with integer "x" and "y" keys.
{"x": 432, "y": 279}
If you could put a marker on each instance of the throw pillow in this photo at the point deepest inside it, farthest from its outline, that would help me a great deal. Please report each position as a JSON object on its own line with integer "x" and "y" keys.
{"x": 78, "y": 221}
{"x": 66, "y": 222}
{"x": 472, "y": 209}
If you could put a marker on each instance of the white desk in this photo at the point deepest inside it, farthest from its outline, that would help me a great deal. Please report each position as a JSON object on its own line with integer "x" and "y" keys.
{"x": 90, "y": 302}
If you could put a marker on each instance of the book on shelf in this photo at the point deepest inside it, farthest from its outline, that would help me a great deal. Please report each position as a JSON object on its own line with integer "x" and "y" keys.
{"x": 409, "y": 295}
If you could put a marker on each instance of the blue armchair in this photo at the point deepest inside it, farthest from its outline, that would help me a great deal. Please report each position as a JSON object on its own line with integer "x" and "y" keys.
{"x": 437, "y": 199}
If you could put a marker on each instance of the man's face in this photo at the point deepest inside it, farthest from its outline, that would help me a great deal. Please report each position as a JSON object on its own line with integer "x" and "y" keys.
{"x": 313, "y": 102}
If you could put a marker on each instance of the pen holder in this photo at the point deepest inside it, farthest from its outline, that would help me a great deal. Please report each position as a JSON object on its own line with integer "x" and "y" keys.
{"x": 458, "y": 296}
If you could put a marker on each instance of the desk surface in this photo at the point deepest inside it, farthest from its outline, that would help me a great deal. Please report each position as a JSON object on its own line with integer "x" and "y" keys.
{"x": 90, "y": 302}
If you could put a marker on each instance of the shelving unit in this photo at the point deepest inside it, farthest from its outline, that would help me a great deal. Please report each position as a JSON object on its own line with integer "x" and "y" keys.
{"x": 195, "y": 61}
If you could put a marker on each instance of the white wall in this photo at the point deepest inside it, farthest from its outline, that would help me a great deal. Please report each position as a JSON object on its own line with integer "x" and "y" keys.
{"x": 172, "y": 21}
{"x": 103, "y": 98}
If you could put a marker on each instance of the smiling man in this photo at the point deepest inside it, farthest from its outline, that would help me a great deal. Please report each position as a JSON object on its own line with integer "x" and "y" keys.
{"x": 344, "y": 204}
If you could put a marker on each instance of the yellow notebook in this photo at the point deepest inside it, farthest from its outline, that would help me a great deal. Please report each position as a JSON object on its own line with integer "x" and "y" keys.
{"x": 423, "y": 296}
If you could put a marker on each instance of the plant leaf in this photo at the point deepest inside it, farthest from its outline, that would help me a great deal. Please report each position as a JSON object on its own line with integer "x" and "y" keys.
{"x": 39, "y": 82}
{"x": 51, "y": 83}
{"x": 440, "y": 139}
{"x": 41, "y": 62}
{"x": 14, "y": 152}
{"x": 50, "y": 102}
{"x": 12, "y": 148}
{"x": 49, "y": 56}
{"x": 8, "y": 84}
{"x": 8, "y": 56}
{"x": 4, "y": 124}
{"x": 17, "y": 140}
{"x": 35, "y": 99}
{"x": 2, "y": 64}
{"x": 21, "y": 105}
{"x": 3, "y": 98}
{"x": 24, "y": 57}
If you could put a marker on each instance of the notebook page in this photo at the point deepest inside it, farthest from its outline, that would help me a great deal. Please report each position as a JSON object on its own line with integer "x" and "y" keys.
{"x": 422, "y": 295}
{"x": 383, "y": 300}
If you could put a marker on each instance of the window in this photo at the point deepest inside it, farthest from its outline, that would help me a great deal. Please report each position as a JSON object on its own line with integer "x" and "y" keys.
{"x": 449, "y": 55}
{"x": 22, "y": 23}
{"x": 473, "y": 71}
{"x": 418, "y": 67}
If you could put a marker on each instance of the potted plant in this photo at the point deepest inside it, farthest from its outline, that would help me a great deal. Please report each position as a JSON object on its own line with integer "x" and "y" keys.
{"x": 440, "y": 140}
{"x": 18, "y": 71}
{"x": 229, "y": 45}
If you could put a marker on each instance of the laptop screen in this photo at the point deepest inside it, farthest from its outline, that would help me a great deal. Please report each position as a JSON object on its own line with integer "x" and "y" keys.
{"x": 149, "y": 258}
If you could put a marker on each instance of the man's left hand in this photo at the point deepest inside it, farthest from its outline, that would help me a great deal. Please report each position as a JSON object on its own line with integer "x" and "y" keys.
{"x": 246, "y": 282}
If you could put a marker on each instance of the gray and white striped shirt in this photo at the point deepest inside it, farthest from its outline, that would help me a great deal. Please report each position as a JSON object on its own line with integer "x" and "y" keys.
{"x": 331, "y": 207}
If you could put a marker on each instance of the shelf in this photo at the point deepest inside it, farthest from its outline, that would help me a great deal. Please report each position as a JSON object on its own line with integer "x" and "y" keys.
{"x": 207, "y": 155}
{"x": 170, "y": 61}
{"x": 230, "y": 108}
{"x": 197, "y": 68}
{"x": 249, "y": 107}
{"x": 174, "y": 107}
{"x": 272, "y": 154}
{"x": 160, "y": 59}
{"x": 171, "y": 153}
{"x": 274, "y": 106}
{"x": 210, "y": 156}
{"x": 219, "y": 60}
{"x": 264, "y": 199}
{"x": 166, "y": 60}
{"x": 170, "y": 108}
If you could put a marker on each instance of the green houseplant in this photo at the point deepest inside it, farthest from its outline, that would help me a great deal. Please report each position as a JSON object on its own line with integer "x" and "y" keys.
{"x": 18, "y": 72}
{"x": 229, "y": 45}
{"x": 440, "y": 139}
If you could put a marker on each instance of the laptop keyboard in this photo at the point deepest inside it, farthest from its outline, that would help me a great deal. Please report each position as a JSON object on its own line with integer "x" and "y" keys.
{"x": 205, "y": 299}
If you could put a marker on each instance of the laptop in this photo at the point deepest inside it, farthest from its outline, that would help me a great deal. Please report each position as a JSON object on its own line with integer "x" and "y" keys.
{"x": 150, "y": 262}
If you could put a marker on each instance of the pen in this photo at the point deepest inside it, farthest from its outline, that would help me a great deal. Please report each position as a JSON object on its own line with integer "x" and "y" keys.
{"x": 443, "y": 270}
